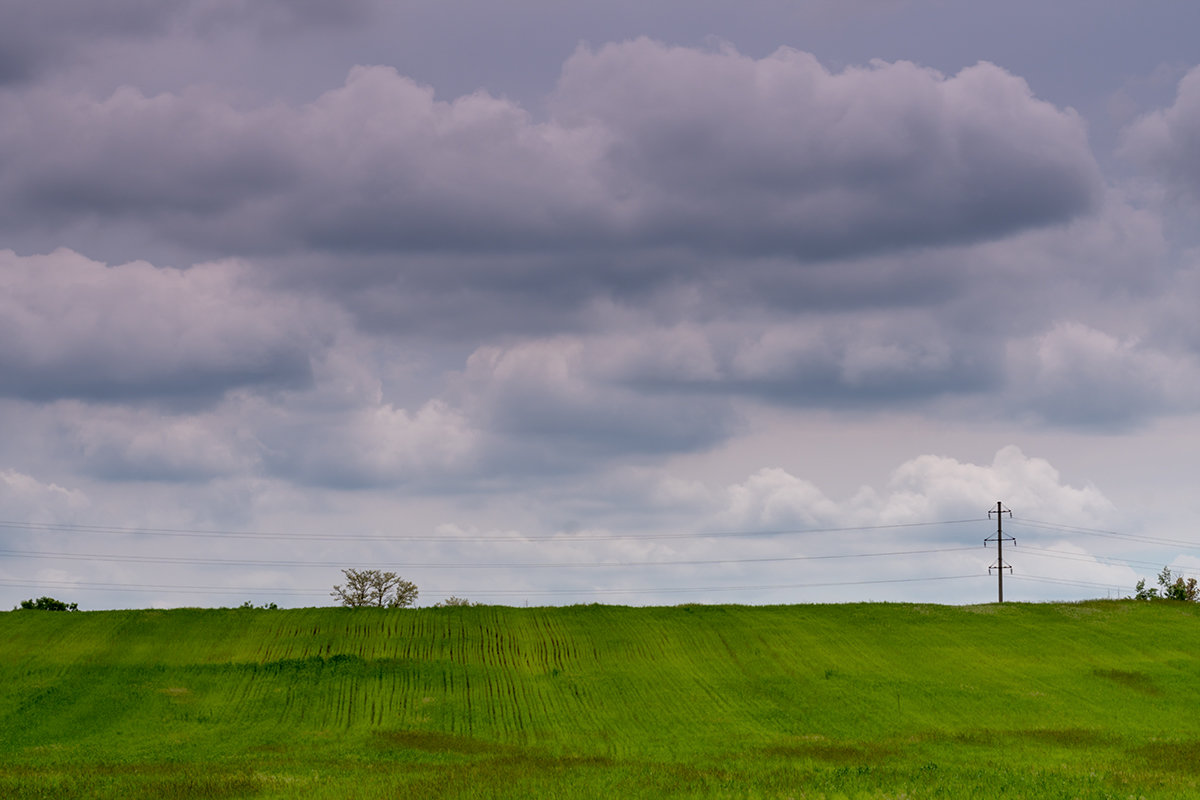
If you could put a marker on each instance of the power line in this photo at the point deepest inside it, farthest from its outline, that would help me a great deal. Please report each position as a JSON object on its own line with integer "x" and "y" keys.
{"x": 197, "y": 561}
{"x": 1067, "y": 582}
{"x": 750, "y": 587}
{"x": 79, "y": 528}
{"x": 550, "y": 539}
{"x": 148, "y": 587}
{"x": 1090, "y": 557}
{"x": 84, "y": 585}
{"x": 1100, "y": 532}
{"x": 451, "y": 539}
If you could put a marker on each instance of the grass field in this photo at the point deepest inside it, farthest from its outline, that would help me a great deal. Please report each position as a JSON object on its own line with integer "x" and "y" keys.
{"x": 1090, "y": 700}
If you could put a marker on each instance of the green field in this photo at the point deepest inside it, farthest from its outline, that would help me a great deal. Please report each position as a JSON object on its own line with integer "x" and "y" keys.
{"x": 1086, "y": 700}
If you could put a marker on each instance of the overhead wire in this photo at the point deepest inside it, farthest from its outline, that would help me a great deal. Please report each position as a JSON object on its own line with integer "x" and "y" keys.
{"x": 1067, "y": 581}
{"x": 486, "y": 592}
{"x": 453, "y": 539}
{"x": 1104, "y": 560}
{"x": 148, "y": 587}
{"x": 325, "y": 564}
{"x": 748, "y": 587}
{"x": 75, "y": 528}
{"x": 558, "y": 538}
{"x": 1076, "y": 529}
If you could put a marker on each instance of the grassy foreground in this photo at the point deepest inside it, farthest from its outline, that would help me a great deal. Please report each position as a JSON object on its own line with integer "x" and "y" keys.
{"x": 1091, "y": 700}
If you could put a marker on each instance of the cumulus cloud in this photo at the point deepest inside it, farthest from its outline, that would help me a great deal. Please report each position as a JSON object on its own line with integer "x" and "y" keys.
{"x": 1077, "y": 375}
{"x": 230, "y": 376}
{"x": 339, "y": 431}
{"x": 374, "y": 446}
{"x": 35, "y": 37}
{"x": 1175, "y": 323}
{"x": 645, "y": 146}
{"x": 927, "y": 488}
{"x": 780, "y": 154}
{"x": 1168, "y": 141}
{"x": 23, "y": 497}
{"x": 566, "y": 407}
{"x": 73, "y": 327}
{"x": 167, "y": 159}
{"x": 853, "y": 360}
{"x": 122, "y": 443}
{"x": 858, "y": 361}
{"x": 936, "y": 486}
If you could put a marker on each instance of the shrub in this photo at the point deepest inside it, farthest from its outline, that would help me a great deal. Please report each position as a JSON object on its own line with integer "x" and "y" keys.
{"x": 48, "y": 604}
{"x": 1171, "y": 588}
{"x": 454, "y": 601}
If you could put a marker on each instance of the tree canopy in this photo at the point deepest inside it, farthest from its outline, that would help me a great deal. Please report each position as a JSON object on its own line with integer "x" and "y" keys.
{"x": 1171, "y": 587}
{"x": 372, "y": 587}
{"x": 48, "y": 604}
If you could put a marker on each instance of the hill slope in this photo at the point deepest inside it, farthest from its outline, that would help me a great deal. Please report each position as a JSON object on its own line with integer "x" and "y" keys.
{"x": 1078, "y": 700}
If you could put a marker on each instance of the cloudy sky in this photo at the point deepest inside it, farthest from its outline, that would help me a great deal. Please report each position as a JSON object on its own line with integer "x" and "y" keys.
{"x": 629, "y": 302}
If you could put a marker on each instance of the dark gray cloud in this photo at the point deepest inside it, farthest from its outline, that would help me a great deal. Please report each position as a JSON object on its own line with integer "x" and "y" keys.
{"x": 898, "y": 363}
{"x": 36, "y": 36}
{"x": 165, "y": 160}
{"x": 781, "y": 155}
{"x": 455, "y": 221}
{"x": 49, "y": 34}
{"x": 1168, "y": 141}
{"x": 566, "y": 400}
{"x": 670, "y": 388}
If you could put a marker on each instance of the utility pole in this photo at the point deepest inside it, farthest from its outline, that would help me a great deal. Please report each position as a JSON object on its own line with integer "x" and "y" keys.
{"x": 999, "y": 538}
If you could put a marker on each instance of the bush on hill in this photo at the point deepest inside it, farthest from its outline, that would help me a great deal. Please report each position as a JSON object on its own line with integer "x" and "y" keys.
{"x": 1171, "y": 588}
{"x": 48, "y": 604}
{"x": 454, "y": 601}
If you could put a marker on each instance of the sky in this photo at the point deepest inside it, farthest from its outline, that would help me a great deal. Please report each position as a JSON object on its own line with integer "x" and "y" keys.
{"x": 540, "y": 303}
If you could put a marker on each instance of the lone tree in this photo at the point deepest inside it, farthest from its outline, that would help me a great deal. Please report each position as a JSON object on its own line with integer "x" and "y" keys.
{"x": 49, "y": 604}
{"x": 371, "y": 587}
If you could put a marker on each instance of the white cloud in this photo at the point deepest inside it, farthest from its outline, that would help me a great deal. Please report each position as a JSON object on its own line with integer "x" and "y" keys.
{"x": 127, "y": 443}
{"x": 73, "y": 327}
{"x": 374, "y": 445}
{"x": 25, "y": 498}
{"x": 927, "y": 488}
{"x": 936, "y": 486}
{"x": 1075, "y": 374}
